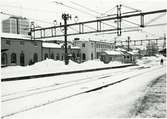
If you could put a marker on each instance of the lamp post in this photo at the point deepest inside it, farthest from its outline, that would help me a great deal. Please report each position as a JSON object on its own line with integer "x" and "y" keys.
{"x": 32, "y": 27}
{"x": 65, "y": 17}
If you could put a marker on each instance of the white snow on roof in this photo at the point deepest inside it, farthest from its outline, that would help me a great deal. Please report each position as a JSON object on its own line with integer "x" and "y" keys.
{"x": 141, "y": 47}
{"x": 112, "y": 52}
{"x": 54, "y": 45}
{"x": 120, "y": 49}
{"x": 75, "y": 47}
{"x": 17, "y": 36}
{"x": 51, "y": 45}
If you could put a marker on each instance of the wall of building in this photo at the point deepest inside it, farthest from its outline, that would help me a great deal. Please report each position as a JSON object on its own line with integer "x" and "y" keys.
{"x": 26, "y": 47}
{"x": 58, "y": 53}
{"x": 92, "y": 49}
{"x": 108, "y": 58}
{"x": 87, "y": 50}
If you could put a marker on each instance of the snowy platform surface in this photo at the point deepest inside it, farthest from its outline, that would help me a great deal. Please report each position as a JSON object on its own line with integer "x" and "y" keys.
{"x": 72, "y": 96}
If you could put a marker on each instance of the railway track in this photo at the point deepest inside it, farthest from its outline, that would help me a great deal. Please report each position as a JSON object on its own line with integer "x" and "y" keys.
{"x": 53, "y": 87}
{"x": 101, "y": 84}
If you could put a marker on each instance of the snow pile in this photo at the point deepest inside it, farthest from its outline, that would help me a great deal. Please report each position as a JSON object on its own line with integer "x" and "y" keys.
{"x": 150, "y": 61}
{"x": 92, "y": 63}
{"x": 52, "y": 66}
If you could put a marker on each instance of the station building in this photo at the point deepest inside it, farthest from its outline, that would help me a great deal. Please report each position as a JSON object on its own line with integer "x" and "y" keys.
{"x": 56, "y": 51}
{"x": 19, "y": 50}
{"x": 91, "y": 49}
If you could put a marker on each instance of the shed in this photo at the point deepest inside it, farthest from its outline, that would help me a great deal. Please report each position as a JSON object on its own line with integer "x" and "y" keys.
{"x": 112, "y": 55}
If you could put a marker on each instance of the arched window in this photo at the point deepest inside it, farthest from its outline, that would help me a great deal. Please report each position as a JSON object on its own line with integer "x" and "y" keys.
{"x": 62, "y": 57}
{"x": 46, "y": 55}
{"x": 57, "y": 56}
{"x": 13, "y": 58}
{"x": 91, "y": 56}
{"x": 35, "y": 57}
{"x": 4, "y": 59}
{"x": 78, "y": 55}
{"x": 83, "y": 56}
{"x": 73, "y": 55}
{"x": 22, "y": 59}
{"x": 52, "y": 56}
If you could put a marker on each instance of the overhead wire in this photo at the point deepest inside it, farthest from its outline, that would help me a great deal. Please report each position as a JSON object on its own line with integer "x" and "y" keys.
{"x": 154, "y": 19}
{"x": 91, "y": 10}
{"x": 112, "y": 9}
{"x": 138, "y": 10}
{"x": 84, "y": 12}
{"x": 60, "y": 3}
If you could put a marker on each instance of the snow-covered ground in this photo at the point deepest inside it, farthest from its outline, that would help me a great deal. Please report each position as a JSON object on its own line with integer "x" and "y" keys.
{"x": 62, "y": 97}
{"x": 52, "y": 66}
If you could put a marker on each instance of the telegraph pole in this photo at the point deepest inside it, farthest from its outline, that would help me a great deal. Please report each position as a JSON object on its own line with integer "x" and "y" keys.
{"x": 164, "y": 44}
{"x": 32, "y": 27}
{"x": 119, "y": 20}
{"x": 65, "y": 17}
{"x": 128, "y": 43}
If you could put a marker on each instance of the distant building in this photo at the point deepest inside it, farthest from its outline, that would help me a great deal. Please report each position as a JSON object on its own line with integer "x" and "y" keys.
{"x": 16, "y": 25}
{"x": 91, "y": 49}
{"x": 118, "y": 55}
{"x": 111, "y": 55}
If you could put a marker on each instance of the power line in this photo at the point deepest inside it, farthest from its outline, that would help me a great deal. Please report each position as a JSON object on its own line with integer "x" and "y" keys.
{"x": 85, "y": 7}
{"x": 60, "y": 3}
{"x": 154, "y": 19}
{"x": 112, "y": 9}
{"x": 137, "y": 10}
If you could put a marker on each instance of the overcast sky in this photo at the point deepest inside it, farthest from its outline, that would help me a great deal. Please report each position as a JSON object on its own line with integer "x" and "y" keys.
{"x": 43, "y": 12}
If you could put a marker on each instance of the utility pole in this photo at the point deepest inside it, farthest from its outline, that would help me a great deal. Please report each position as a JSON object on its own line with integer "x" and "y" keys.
{"x": 119, "y": 20}
{"x": 32, "y": 27}
{"x": 164, "y": 44}
{"x": 65, "y": 17}
{"x": 128, "y": 43}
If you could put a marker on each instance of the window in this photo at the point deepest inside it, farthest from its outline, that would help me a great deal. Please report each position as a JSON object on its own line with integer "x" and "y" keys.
{"x": 4, "y": 59}
{"x": 83, "y": 56}
{"x": 13, "y": 58}
{"x": 52, "y": 56}
{"x": 35, "y": 43}
{"x": 91, "y": 56}
{"x": 8, "y": 42}
{"x": 22, "y": 59}
{"x": 35, "y": 57}
{"x": 73, "y": 55}
{"x": 57, "y": 56}
{"x": 92, "y": 45}
{"x": 46, "y": 56}
{"x": 83, "y": 44}
{"x": 21, "y": 42}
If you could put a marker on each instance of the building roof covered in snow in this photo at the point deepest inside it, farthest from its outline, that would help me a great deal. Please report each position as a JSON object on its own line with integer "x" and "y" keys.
{"x": 113, "y": 52}
{"x": 54, "y": 45}
{"x": 15, "y": 36}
